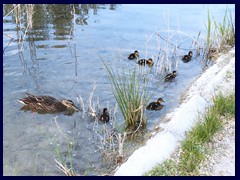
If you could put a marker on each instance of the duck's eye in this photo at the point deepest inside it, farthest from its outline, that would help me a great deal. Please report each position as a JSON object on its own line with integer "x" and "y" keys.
{"x": 70, "y": 102}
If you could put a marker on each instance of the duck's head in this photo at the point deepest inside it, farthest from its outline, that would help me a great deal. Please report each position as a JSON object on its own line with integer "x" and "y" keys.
{"x": 174, "y": 73}
{"x": 190, "y": 53}
{"x": 105, "y": 110}
{"x": 160, "y": 100}
{"x": 136, "y": 53}
{"x": 69, "y": 104}
{"x": 150, "y": 61}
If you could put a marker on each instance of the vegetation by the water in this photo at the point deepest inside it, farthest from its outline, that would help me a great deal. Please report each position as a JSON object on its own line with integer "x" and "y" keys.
{"x": 220, "y": 36}
{"x": 130, "y": 90}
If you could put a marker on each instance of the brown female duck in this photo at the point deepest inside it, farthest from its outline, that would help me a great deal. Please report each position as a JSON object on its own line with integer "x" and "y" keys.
{"x": 47, "y": 103}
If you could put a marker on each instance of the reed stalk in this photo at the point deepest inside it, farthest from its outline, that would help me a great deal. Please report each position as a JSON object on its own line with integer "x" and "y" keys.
{"x": 130, "y": 91}
{"x": 220, "y": 36}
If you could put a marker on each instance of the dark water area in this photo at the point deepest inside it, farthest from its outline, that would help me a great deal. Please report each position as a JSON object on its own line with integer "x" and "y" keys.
{"x": 62, "y": 55}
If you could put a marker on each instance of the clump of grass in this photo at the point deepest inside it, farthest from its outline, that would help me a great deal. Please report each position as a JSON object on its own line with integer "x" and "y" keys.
{"x": 61, "y": 163}
{"x": 130, "y": 91}
{"x": 226, "y": 30}
{"x": 193, "y": 148}
{"x": 225, "y": 106}
{"x": 205, "y": 130}
{"x": 168, "y": 168}
{"x": 220, "y": 36}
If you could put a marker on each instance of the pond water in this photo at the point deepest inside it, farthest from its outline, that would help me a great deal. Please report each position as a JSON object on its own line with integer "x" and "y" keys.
{"x": 62, "y": 56}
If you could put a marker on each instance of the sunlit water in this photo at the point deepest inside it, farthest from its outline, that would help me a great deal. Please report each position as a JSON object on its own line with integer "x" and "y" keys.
{"x": 62, "y": 56}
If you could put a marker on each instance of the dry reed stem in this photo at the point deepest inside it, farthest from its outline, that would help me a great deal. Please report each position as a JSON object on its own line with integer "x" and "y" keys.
{"x": 15, "y": 6}
{"x": 91, "y": 109}
{"x": 74, "y": 23}
{"x": 121, "y": 141}
{"x": 55, "y": 120}
{"x": 81, "y": 103}
{"x": 29, "y": 13}
{"x": 67, "y": 171}
{"x": 11, "y": 40}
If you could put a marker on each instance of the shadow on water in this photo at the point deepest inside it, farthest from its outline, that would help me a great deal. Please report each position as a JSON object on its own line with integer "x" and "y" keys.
{"x": 58, "y": 50}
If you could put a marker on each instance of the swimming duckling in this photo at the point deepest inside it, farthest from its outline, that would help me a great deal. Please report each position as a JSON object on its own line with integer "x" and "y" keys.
{"x": 143, "y": 62}
{"x": 104, "y": 117}
{"x": 187, "y": 58}
{"x": 133, "y": 55}
{"x": 150, "y": 62}
{"x": 47, "y": 103}
{"x": 157, "y": 106}
{"x": 171, "y": 76}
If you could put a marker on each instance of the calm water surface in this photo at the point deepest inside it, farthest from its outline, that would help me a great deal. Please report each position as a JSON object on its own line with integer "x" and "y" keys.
{"x": 62, "y": 56}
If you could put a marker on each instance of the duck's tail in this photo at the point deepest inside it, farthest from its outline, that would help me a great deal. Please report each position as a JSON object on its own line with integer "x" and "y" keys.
{"x": 21, "y": 101}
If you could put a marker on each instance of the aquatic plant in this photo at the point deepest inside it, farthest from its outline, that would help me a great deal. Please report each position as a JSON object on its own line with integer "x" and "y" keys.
{"x": 130, "y": 90}
{"x": 61, "y": 162}
{"x": 220, "y": 36}
{"x": 226, "y": 30}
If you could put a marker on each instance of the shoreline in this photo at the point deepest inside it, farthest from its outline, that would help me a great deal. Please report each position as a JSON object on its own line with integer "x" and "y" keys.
{"x": 218, "y": 78}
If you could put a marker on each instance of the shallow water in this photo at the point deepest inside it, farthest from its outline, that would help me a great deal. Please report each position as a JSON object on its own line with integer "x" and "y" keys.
{"x": 62, "y": 57}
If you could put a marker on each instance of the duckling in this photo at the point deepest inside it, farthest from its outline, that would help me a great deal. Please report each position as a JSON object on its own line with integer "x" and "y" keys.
{"x": 104, "y": 117}
{"x": 143, "y": 62}
{"x": 134, "y": 55}
{"x": 187, "y": 58}
{"x": 150, "y": 62}
{"x": 171, "y": 76}
{"x": 157, "y": 106}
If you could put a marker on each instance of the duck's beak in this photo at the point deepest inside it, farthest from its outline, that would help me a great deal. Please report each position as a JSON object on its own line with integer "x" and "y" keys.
{"x": 75, "y": 108}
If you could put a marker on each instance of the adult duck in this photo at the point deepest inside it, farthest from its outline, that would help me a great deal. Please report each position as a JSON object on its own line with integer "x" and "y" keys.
{"x": 47, "y": 103}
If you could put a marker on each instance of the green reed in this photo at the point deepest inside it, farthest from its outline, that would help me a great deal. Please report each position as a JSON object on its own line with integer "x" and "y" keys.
{"x": 129, "y": 88}
{"x": 220, "y": 35}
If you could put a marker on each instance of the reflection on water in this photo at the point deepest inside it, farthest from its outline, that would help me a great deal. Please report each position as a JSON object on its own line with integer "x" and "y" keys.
{"x": 27, "y": 108}
{"x": 61, "y": 56}
{"x": 57, "y": 21}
